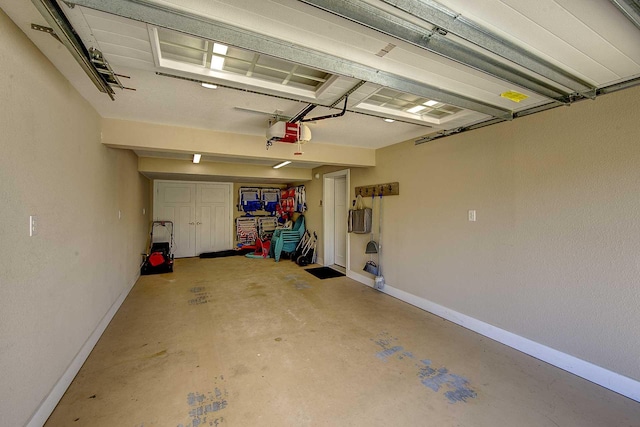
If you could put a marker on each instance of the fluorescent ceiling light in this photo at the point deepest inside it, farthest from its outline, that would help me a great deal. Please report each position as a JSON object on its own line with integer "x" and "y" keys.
{"x": 209, "y": 85}
{"x": 218, "y": 61}
{"x": 196, "y": 158}
{"x": 430, "y": 103}
{"x": 416, "y": 109}
{"x": 389, "y": 120}
{"x": 279, "y": 165}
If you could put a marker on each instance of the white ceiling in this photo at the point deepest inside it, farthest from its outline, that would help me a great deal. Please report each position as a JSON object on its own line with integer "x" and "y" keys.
{"x": 591, "y": 40}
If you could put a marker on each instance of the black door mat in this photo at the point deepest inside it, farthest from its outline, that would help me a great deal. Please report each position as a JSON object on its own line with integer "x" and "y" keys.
{"x": 324, "y": 272}
{"x": 221, "y": 254}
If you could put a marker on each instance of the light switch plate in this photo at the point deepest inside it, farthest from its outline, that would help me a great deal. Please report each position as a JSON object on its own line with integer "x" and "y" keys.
{"x": 33, "y": 222}
{"x": 472, "y": 215}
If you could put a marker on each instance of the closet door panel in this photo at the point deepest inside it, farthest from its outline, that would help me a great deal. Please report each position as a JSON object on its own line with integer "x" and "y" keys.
{"x": 175, "y": 202}
{"x": 213, "y": 217}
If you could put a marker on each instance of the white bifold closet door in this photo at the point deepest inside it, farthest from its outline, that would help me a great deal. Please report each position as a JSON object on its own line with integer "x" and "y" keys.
{"x": 213, "y": 206}
{"x": 201, "y": 213}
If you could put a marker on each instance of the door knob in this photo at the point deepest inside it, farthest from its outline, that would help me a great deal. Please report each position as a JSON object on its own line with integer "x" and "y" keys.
{"x": 192, "y": 223}
{"x": 198, "y": 223}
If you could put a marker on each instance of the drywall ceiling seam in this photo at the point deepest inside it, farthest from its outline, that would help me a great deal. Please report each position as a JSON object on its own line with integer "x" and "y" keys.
{"x": 386, "y": 23}
{"x": 451, "y": 22}
{"x": 206, "y": 28}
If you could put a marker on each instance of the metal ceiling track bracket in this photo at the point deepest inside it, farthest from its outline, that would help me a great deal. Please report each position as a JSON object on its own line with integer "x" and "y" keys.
{"x": 60, "y": 25}
{"x": 630, "y": 9}
{"x": 300, "y": 116}
{"x": 210, "y": 29}
{"x": 349, "y": 92}
{"x": 329, "y": 116}
{"x": 47, "y": 30}
{"x": 436, "y": 41}
{"x": 103, "y": 67}
{"x": 448, "y": 20}
{"x": 615, "y": 87}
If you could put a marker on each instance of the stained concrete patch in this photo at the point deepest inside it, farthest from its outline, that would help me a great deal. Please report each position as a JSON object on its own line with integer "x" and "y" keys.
{"x": 384, "y": 354}
{"x": 205, "y": 409}
{"x": 251, "y": 286}
{"x": 201, "y": 295}
{"x": 457, "y": 387}
{"x": 454, "y": 387}
{"x": 295, "y": 280}
{"x": 162, "y": 353}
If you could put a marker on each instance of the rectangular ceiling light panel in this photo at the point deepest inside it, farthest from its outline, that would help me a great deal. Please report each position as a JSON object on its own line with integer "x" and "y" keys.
{"x": 218, "y": 57}
{"x": 416, "y": 109}
{"x": 261, "y": 71}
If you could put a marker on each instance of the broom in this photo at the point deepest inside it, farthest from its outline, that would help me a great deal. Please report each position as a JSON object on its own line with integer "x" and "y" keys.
{"x": 379, "y": 281}
{"x": 372, "y": 246}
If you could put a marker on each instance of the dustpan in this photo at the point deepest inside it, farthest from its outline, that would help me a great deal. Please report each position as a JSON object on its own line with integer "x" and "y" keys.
{"x": 371, "y": 268}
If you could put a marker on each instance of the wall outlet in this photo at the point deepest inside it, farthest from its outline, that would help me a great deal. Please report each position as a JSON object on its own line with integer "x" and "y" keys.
{"x": 472, "y": 215}
{"x": 33, "y": 222}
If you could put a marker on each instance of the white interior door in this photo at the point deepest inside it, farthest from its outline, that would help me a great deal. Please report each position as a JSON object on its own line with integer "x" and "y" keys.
{"x": 175, "y": 202}
{"x": 340, "y": 221}
{"x": 213, "y": 204}
{"x": 335, "y": 191}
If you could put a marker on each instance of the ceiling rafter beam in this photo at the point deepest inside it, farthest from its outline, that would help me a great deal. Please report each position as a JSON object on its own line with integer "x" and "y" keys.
{"x": 386, "y": 23}
{"x": 291, "y": 74}
{"x": 207, "y": 28}
{"x": 450, "y": 22}
{"x": 252, "y": 66}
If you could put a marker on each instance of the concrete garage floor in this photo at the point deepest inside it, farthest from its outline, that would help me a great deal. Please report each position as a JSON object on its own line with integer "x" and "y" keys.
{"x": 245, "y": 342}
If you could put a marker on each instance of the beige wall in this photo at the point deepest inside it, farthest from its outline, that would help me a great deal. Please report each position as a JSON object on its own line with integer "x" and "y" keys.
{"x": 56, "y": 287}
{"x": 555, "y": 253}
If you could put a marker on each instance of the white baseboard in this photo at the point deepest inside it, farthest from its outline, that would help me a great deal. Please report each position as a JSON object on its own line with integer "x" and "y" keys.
{"x": 611, "y": 380}
{"x": 49, "y": 403}
{"x": 360, "y": 278}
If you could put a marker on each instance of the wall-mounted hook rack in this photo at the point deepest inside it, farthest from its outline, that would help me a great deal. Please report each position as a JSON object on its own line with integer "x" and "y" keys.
{"x": 388, "y": 189}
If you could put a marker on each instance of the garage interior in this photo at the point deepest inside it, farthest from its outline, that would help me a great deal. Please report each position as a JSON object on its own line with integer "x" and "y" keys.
{"x": 510, "y": 253}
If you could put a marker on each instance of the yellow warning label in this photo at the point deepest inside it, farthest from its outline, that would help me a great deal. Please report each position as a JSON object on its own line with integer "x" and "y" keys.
{"x": 514, "y": 96}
